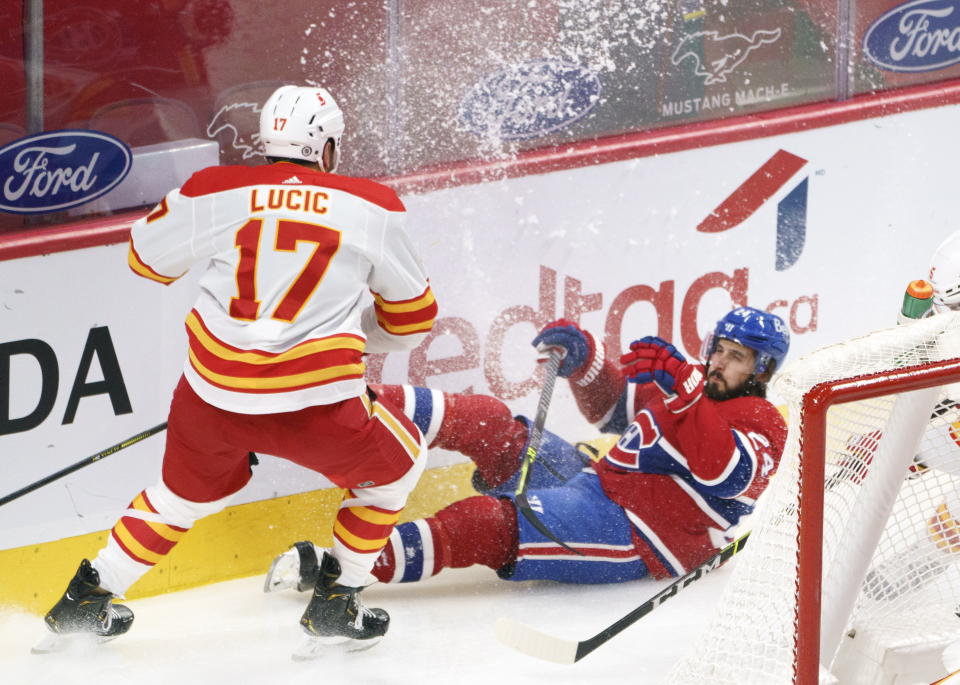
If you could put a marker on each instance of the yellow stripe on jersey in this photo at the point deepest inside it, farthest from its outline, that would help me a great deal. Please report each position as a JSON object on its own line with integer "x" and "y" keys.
{"x": 131, "y": 543}
{"x": 401, "y": 433}
{"x": 359, "y": 543}
{"x": 416, "y": 304}
{"x": 165, "y": 531}
{"x": 140, "y": 504}
{"x": 421, "y": 327}
{"x": 216, "y": 348}
{"x": 278, "y": 382}
{"x": 379, "y": 518}
{"x": 138, "y": 267}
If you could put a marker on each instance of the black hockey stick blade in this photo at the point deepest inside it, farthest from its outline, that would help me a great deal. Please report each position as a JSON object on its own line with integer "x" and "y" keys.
{"x": 132, "y": 440}
{"x": 537, "y": 644}
{"x": 536, "y": 435}
{"x": 523, "y": 506}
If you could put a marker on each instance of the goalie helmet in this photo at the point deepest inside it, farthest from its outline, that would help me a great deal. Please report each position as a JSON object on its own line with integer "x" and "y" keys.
{"x": 945, "y": 274}
{"x": 764, "y": 333}
{"x": 297, "y": 121}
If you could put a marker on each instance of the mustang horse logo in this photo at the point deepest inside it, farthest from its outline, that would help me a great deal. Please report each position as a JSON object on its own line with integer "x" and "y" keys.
{"x": 734, "y": 50}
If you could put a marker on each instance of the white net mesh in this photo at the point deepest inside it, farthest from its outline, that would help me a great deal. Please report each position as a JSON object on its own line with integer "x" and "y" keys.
{"x": 912, "y": 585}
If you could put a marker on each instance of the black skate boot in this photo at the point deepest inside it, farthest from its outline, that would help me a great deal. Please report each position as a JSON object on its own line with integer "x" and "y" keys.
{"x": 296, "y": 568}
{"x": 336, "y": 616}
{"x": 85, "y": 609}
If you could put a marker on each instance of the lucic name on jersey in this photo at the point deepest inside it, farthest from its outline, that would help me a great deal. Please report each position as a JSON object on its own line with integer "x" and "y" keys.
{"x": 291, "y": 257}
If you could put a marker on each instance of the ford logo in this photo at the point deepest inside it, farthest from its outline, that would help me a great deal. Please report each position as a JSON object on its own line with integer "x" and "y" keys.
{"x": 529, "y": 99}
{"x": 922, "y": 35}
{"x": 60, "y": 169}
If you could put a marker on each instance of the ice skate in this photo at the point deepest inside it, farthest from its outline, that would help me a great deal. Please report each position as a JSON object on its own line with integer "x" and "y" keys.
{"x": 336, "y": 619}
{"x": 85, "y": 611}
{"x": 296, "y": 568}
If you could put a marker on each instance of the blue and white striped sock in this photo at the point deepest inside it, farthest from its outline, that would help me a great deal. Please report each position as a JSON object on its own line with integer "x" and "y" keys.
{"x": 413, "y": 552}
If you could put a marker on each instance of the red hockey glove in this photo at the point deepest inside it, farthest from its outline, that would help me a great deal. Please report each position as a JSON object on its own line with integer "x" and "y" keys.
{"x": 653, "y": 360}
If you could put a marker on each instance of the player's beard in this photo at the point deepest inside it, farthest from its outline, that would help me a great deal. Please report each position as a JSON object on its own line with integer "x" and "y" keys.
{"x": 716, "y": 388}
{"x": 719, "y": 393}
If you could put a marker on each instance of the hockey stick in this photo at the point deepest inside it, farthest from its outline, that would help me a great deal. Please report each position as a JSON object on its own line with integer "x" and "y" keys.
{"x": 85, "y": 462}
{"x": 535, "y": 643}
{"x": 536, "y": 435}
{"x": 531, "y": 641}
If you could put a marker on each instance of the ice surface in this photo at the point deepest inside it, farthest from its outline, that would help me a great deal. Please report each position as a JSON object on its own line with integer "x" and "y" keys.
{"x": 441, "y": 632}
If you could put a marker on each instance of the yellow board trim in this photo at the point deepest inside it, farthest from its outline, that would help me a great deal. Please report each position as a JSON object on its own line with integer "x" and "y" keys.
{"x": 240, "y": 541}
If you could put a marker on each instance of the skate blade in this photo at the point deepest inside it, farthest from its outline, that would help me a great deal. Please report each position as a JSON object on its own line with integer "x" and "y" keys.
{"x": 284, "y": 573}
{"x": 318, "y": 647}
{"x": 56, "y": 642}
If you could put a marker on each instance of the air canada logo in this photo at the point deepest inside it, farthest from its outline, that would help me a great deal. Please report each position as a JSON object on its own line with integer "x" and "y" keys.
{"x": 529, "y": 99}
{"x": 923, "y": 35}
{"x": 763, "y": 184}
{"x": 727, "y": 52}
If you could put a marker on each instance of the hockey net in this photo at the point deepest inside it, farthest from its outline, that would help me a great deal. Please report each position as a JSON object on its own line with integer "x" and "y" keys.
{"x": 860, "y": 514}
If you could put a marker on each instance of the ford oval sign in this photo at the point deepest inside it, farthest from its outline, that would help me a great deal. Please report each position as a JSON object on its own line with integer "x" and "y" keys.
{"x": 60, "y": 169}
{"x": 529, "y": 99}
{"x": 923, "y": 35}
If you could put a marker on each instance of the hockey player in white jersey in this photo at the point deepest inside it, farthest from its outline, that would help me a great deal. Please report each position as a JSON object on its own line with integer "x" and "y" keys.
{"x": 939, "y": 449}
{"x": 303, "y": 272}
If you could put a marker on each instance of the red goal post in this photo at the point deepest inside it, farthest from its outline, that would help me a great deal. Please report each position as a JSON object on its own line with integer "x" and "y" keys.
{"x": 814, "y": 408}
{"x": 853, "y": 565}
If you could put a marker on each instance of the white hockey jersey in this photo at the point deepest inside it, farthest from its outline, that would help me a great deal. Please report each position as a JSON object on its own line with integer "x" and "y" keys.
{"x": 281, "y": 321}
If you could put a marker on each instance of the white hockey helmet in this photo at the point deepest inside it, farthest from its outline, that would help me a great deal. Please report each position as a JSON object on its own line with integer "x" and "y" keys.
{"x": 297, "y": 121}
{"x": 945, "y": 273}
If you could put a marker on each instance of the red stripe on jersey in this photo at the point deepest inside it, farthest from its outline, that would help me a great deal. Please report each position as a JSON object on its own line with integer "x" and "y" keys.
{"x": 221, "y": 178}
{"x": 240, "y": 369}
{"x": 126, "y": 550}
{"x": 421, "y": 318}
{"x": 159, "y": 211}
{"x": 148, "y": 537}
{"x": 256, "y": 371}
{"x": 141, "y": 268}
{"x": 146, "y": 502}
{"x": 587, "y": 551}
{"x": 364, "y": 529}
{"x": 405, "y": 317}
